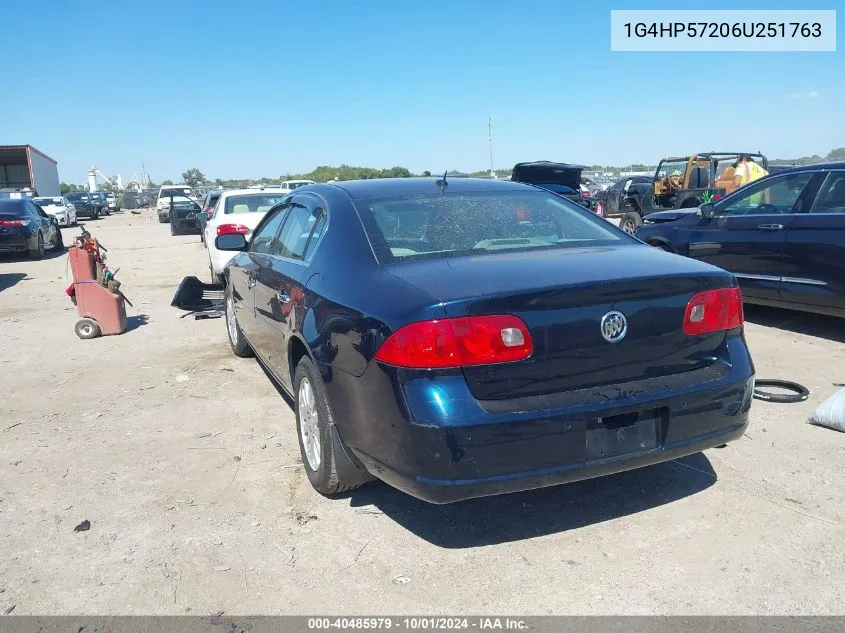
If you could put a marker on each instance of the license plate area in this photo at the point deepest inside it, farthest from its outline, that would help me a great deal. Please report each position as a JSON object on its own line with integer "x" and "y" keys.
{"x": 624, "y": 434}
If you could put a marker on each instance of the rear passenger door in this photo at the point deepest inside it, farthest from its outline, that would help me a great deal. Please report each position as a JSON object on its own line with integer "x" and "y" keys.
{"x": 280, "y": 288}
{"x": 814, "y": 252}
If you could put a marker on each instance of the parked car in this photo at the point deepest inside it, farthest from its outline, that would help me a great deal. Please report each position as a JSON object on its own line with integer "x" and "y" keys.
{"x": 84, "y": 204}
{"x": 783, "y": 236}
{"x": 60, "y": 208}
{"x": 25, "y": 228}
{"x": 101, "y": 202}
{"x": 290, "y": 185}
{"x": 236, "y": 211}
{"x": 208, "y": 205}
{"x": 563, "y": 179}
{"x": 473, "y": 337}
{"x": 163, "y": 204}
{"x": 683, "y": 183}
{"x": 111, "y": 200}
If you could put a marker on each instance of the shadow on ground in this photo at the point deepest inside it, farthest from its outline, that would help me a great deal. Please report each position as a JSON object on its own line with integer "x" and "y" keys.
{"x": 514, "y": 517}
{"x": 7, "y": 280}
{"x": 819, "y": 325}
{"x": 136, "y": 321}
{"x": 518, "y": 516}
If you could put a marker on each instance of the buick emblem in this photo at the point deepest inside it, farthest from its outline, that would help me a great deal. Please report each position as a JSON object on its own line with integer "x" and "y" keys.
{"x": 614, "y": 327}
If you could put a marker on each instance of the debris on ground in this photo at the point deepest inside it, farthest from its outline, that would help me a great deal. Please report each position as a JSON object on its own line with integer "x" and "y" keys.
{"x": 303, "y": 518}
{"x": 199, "y": 436}
{"x": 9, "y": 609}
{"x": 830, "y": 413}
{"x": 401, "y": 580}
{"x": 83, "y": 527}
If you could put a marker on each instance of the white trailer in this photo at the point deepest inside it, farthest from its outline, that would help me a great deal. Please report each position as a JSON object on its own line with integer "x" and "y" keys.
{"x": 24, "y": 167}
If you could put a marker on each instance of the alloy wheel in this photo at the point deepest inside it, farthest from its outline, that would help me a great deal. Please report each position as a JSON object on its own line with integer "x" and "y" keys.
{"x": 309, "y": 429}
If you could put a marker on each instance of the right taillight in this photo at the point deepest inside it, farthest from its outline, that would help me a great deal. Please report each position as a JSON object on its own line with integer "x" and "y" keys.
{"x": 458, "y": 342}
{"x": 223, "y": 229}
{"x": 600, "y": 208}
{"x": 713, "y": 311}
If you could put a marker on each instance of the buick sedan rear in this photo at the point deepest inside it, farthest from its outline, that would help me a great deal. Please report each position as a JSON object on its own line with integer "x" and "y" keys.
{"x": 467, "y": 338}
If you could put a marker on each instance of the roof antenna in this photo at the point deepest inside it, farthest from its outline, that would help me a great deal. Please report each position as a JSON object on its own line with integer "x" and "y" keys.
{"x": 442, "y": 183}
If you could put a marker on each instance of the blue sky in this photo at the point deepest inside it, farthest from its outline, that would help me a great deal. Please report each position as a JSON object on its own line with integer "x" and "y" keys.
{"x": 251, "y": 89}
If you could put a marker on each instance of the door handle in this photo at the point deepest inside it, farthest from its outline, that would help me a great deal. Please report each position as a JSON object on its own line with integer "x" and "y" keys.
{"x": 770, "y": 227}
{"x": 250, "y": 281}
{"x": 283, "y": 297}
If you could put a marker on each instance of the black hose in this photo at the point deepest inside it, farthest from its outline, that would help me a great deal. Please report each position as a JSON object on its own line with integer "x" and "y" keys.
{"x": 800, "y": 392}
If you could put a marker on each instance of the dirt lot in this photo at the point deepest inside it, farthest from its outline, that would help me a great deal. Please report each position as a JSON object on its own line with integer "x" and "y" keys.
{"x": 185, "y": 461}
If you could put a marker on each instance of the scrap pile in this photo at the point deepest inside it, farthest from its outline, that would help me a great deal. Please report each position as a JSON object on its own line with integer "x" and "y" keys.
{"x": 105, "y": 276}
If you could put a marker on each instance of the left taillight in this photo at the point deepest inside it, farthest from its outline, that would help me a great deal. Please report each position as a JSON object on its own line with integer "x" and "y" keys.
{"x": 714, "y": 311}
{"x": 223, "y": 229}
{"x": 458, "y": 342}
{"x": 10, "y": 223}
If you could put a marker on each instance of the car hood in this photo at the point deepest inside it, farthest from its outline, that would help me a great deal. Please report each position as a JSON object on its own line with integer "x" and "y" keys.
{"x": 670, "y": 216}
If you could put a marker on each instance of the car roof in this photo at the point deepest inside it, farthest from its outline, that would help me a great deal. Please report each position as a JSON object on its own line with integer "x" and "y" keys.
{"x": 387, "y": 187}
{"x": 839, "y": 164}
{"x": 551, "y": 164}
{"x": 251, "y": 192}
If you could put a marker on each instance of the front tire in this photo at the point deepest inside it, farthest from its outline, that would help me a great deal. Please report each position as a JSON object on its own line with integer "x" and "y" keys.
{"x": 630, "y": 222}
{"x": 328, "y": 472}
{"x": 237, "y": 340}
{"x": 59, "y": 244}
{"x": 87, "y": 329}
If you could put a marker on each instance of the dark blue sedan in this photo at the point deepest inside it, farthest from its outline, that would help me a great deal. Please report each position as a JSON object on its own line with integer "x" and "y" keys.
{"x": 472, "y": 337}
{"x": 782, "y": 236}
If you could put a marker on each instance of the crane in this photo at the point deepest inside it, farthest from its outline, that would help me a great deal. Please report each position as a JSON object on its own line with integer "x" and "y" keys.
{"x": 93, "y": 172}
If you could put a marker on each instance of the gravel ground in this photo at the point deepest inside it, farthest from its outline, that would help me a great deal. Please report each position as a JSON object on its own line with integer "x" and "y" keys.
{"x": 185, "y": 462}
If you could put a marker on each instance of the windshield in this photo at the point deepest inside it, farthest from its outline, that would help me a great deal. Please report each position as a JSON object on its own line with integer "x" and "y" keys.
{"x": 253, "y": 203}
{"x": 176, "y": 191}
{"x": 672, "y": 168}
{"x": 48, "y": 202}
{"x": 435, "y": 226}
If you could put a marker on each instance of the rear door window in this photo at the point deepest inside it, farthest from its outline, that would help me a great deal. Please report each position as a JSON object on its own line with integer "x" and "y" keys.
{"x": 831, "y": 196}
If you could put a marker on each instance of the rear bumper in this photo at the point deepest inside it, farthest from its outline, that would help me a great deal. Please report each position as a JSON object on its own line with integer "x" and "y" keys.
{"x": 15, "y": 243}
{"x": 440, "y": 444}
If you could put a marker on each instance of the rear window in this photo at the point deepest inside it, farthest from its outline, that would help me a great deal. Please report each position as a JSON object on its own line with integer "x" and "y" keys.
{"x": 79, "y": 197}
{"x": 13, "y": 208}
{"x": 46, "y": 202}
{"x": 433, "y": 226}
{"x": 176, "y": 191}
{"x": 252, "y": 203}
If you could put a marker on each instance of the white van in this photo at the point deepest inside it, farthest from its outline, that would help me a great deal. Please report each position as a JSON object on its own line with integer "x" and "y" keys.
{"x": 164, "y": 194}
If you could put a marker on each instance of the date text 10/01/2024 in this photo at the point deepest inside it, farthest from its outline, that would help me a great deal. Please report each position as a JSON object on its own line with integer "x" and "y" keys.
{"x": 417, "y": 623}
{"x": 724, "y": 29}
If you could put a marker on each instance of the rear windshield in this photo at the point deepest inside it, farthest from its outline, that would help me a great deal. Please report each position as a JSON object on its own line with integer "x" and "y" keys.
{"x": 253, "y": 203}
{"x": 176, "y": 191}
{"x": 46, "y": 202}
{"x": 77, "y": 196}
{"x": 433, "y": 226}
{"x": 12, "y": 208}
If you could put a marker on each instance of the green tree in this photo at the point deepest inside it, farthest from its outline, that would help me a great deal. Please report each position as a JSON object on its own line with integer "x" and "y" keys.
{"x": 67, "y": 188}
{"x": 218, "y": 182}
{"x": 193, "y": 177}
{"x": 166, "y": 183}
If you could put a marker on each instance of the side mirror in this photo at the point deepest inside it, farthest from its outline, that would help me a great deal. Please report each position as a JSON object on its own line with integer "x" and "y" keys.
{"x": 707, "y": 210}
{"x": 230, "y": 242}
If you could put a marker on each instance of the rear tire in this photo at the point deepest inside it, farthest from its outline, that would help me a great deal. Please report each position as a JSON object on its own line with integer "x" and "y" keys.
{"x": 38, "y": 251}
{"x": 237, "y": 340}
{"x": 324, "y": 457}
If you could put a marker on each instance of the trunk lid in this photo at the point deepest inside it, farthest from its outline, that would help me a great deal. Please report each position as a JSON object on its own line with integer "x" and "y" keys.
{"x": 562, "y": 296}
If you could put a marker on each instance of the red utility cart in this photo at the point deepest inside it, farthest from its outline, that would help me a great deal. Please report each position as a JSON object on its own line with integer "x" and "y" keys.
{"x": 102, "y": 312}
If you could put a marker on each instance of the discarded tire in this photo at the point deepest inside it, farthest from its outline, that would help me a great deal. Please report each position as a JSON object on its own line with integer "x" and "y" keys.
{"x": 799, "y": 392}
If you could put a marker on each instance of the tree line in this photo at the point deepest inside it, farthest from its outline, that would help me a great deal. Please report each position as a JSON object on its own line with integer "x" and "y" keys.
{"x": 324, "y": 173}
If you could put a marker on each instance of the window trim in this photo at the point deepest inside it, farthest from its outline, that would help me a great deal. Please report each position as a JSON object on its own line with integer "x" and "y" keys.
{"x": 768, "y": 179}
{"x": 828, "y": 174}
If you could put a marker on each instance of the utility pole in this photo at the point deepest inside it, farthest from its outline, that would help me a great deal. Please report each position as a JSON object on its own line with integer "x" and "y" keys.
{"x": 490, "y": 136}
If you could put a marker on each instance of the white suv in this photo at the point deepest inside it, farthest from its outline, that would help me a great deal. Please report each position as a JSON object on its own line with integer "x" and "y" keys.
{"x": 164, "y": 194}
